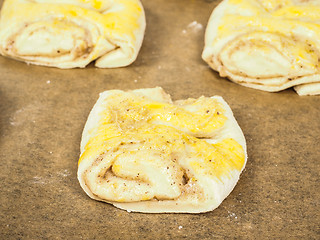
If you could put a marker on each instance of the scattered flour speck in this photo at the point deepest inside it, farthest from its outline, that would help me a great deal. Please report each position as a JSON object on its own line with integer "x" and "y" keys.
{"x": 64, "y": 173}
{"x": 38, "y": 180}
{"x": 195, "y": 26}
{"x": 232, "y": 215}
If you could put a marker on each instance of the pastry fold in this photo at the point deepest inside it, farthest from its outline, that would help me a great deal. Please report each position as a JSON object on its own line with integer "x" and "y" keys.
{"x": 142, "y": 152}
{"x": 267, "y": 45}
{"x": 72, "y": 33}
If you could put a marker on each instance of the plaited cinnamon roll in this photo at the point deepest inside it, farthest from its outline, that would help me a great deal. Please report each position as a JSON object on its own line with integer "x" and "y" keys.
{"x": 268, "y": 45}
{"x": 142, "y": 152}
{"x": 72, "y": 33}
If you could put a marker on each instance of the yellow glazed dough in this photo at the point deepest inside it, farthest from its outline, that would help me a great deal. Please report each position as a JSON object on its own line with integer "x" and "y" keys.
{"x": 142, "y": 152}
{"x": 72, "y": 33}
{"x": 268, "y": 45}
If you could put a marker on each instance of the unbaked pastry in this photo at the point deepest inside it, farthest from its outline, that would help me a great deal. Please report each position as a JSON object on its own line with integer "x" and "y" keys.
{"x": 142, "y": 152}
{"x": 269, "y": 45}
{"x": 72, "y": 33}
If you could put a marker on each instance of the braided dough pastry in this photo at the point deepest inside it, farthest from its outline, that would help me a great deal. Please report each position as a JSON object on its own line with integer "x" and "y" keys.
{"x": 72, "y": 33}
{"x": 142, "y": 152}
{"x": 269, "y": 45}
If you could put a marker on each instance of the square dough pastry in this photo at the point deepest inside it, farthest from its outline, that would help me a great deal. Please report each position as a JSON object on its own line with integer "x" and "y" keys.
{"x": 269, "y": 45}
{"x": 72, "y": 33}
{"x": 142, "y": 152}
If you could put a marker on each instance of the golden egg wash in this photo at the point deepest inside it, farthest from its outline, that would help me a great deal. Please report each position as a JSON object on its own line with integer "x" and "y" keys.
{"x": 141, "y": 151}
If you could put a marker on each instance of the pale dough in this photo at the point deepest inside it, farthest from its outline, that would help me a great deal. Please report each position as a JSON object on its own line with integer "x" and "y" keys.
{"x": 267, "y": 45}
{"x": 142, "y": 152}
{"x": 72, "y": 33}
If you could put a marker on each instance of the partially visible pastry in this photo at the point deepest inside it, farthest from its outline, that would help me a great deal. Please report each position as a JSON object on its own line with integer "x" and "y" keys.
{"x": 72, "y": 33}
{"x": 267, "y": 45}
{"x": 308, "y": 89}
{"x": 142, "y": 152}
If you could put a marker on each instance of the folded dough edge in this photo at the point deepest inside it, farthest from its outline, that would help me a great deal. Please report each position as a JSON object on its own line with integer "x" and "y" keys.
{"x": 220, "y": 189}
{"x": 72, "y": 35}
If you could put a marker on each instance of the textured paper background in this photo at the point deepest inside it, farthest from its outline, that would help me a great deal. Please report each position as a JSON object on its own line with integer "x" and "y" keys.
{"x": 43, "y": 111}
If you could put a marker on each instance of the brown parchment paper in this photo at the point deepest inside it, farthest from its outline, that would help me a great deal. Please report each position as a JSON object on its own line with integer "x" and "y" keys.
{"x": 43, "y": 112}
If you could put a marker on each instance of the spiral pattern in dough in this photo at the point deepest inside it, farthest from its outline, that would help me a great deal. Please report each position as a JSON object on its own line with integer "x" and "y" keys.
{"x": 142, "y": 152}
{"x": 72, "y": 33}
{"x": 266, "y": 45}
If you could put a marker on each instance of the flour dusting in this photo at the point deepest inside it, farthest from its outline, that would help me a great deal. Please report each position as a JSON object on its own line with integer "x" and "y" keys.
{"x": 26, "y": 114}
{"x": 39, "y": 180}
{"x": 64, "y": 173}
